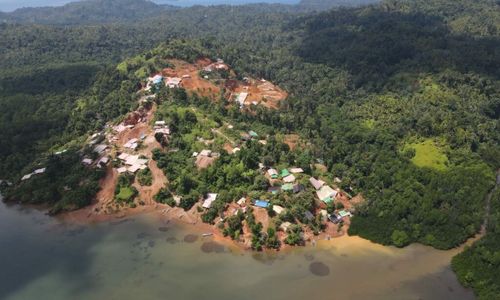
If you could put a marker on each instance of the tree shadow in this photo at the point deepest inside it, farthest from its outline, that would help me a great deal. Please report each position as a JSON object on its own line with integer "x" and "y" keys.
{"x": 373, "y": 44}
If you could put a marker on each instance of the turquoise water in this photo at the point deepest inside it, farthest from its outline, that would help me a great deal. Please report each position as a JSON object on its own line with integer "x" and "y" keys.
{"x": 148, "y": 258}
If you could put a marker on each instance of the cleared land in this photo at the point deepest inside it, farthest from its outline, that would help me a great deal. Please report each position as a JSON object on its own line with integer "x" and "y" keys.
{"x": 429, "y": 155}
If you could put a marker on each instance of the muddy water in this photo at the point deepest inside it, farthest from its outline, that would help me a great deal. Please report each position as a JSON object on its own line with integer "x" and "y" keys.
{"x": 147, "y": 258}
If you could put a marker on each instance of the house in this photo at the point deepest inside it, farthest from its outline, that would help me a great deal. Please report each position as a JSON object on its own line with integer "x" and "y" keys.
{"x": 100, "y": 148}
{"x": 235, "y": 150}
{"x": 164, "y": 131}
{"x": 253, "y": 134}
{"x": 344, "y": 213}
{"x": 39, "y": 171}
{"x": 273, "y": 173}
{"x": 337, "y": 180}
{"x": 263, "y": 142}
{"x": 289, "y": 179}
{"x": 87, "y": 161}
{"x": 122, "y": 170}
{"x": 186, "y": 76}
{"x": 195, "y": 154}
{"x": 123, "y": 156}
{"x": 287, "y": 187}
{"x": 206, "y": 153}
{"x": 207, "y": 203}
{"x": 103, "y": 161}
{"x": 326, "y": 194}
{"x": 26, "y": 177}
{"x": 160, "y": 123}
{"x": 131, "y": 144}
{"x": 298, "y": 188}
{"x": 308, "y": 215}
{"x": 261, "y": 203}
{"x": 173, "y": 82}
{"x": 261, "y": 166}
{"x": 296, "y": 170}
{"x": 324, "y": 214}
{"x": 273, "y": 189}
{"x": 285, "y": 225}
{"x": 316, "y": 183}
{"x": 241, "y": 98}
{"x": 284, "y": 173}
{"x": 242, "y": 201}
{"x": 157, "y": 79}
{"x": 335, "y": 219}
{"x": 278, "y": 209}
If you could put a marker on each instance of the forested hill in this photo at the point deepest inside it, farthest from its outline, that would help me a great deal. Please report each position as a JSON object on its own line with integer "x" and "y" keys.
{"x": 319, "y": 5}
{"x": 401, "y": 99}
{"x": 88, "y": 12}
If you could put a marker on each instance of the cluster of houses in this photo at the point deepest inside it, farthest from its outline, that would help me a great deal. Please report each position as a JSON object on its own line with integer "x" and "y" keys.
{"x": 216, "y": 66}
{"x": 101, "y": 150}
{"x": 170, "y": 82}
{"x": 161, "y": 127}
{"x": 131, "y": 163}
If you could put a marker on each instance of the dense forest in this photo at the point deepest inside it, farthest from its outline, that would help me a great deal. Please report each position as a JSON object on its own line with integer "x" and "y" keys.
{"x": 401, "y": 100}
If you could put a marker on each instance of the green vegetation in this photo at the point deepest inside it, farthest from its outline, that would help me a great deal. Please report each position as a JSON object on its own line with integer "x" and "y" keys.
{"x": 479, "y": 265}
{"x": 145, "y": 177}
{"x": 428, "y": 155}
{"x": 125, "y": 192}
{"x": 422, "y": 70}
{"x": 164, "y": 196}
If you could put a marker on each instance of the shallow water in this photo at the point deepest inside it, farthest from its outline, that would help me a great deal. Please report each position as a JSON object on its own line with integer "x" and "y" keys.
{"x": 43, "y": 258}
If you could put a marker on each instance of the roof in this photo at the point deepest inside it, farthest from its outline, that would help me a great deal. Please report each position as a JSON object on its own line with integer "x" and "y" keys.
{"x": 284, "y": 173}
{"x": 297, "y": 188}
{"x": 133, "y": 168}
{"x": 122, "y": 170}
{"x": 296, "y": 170}
{"x": 278, "y": 209}
{"x": 157, "y": 79}
{"x": 242, "y": 201}
{"x": 326, "y": 193}
{"x": 287, "y": 187}
{"x": 100, "y": 148}
{"x": 39, "y": 171}
{"x": 261, "y": 203}
{"x": 253, "y": 133}
{"x": 289, "y": 178}
{"x": 241, "y": 98}
{"x": 87, "y": 161}
{"x": 308, "y": 215}
{"x": 344, "y": 213}
{"x": 26, "y": 177}
{"x": 123, "y": 156}
{"x": 316, "y": 183}
{"x": 161, "y": 123}
{"x": 205, "y": 152}
{"x": 273, "y": 189}
{"x": 272, "y": 172}
{"x": 207, "y": 203}
{"x": 285, "y": 225}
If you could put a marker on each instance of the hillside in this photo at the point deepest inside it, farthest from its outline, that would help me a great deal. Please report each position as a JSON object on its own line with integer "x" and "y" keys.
{"x": 87, "y": 12}
{"x": 398, "y": 102}
{"x": 320, "y": 5}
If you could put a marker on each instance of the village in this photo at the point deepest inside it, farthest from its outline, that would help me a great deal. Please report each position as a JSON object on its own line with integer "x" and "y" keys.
{"x": 134, "y": 182}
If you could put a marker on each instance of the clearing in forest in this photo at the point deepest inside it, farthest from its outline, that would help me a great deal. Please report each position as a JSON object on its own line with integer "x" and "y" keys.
{"x": 429, "y": 155}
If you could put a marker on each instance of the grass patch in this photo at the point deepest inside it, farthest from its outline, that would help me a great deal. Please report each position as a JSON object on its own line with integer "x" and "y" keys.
{"x": 428, "y": 155}
{"x": 369, "y": 123}
{"x": 125, "y": 193}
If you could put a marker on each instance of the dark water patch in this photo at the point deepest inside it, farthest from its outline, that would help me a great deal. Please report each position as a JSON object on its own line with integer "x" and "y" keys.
{"x": 211, "y": 246}
{"x": 309, "y": 257}
{"x": 74, "y": 232}
{"x": 190, "y": 238}
{"x": 151, "y": 244}
{"x": 114, "y": 223}
{"x": 265, "y": 258}
{"x": 142, "y": 235}
{"x": 319, "y": 269}
{"x": 172, "y": 240}
{"x": 163, "y": 229}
